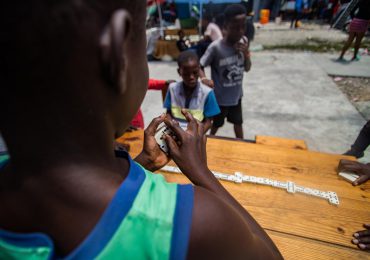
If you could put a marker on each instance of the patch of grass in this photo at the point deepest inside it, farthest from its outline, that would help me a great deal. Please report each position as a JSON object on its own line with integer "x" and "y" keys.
{"x": 315, "y": 45}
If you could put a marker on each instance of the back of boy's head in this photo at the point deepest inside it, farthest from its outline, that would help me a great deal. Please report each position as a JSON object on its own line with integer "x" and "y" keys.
{"x": 233, "y": 10}
{"x": 38, "y": 33}
{"x": 187, "y": 56}
{"x": 46, "y": 44}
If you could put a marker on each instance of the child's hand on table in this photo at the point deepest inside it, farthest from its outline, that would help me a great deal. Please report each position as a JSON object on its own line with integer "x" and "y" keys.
{"x": 152, "y": 157}
{"x": 362, "y": 238}
{"x": 363, "y": 170}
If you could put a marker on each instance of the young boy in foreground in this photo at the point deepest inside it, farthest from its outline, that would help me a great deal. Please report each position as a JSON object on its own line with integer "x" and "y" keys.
{"x": 229, "y": 58}
{"x": 190, "y": 94}
{"x": 73, "y": 74}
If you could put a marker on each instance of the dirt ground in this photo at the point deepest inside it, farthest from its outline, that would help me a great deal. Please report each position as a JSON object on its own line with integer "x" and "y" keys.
{"x": 356, "y": 89}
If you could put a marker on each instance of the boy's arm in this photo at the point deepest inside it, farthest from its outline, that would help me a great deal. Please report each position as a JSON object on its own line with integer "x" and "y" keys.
{"x": 156, "y": 84}
{"x": 248, "y": 62}
{"x": 243, "y": 47}
{"x": 218, "y": 231}
{"x": 205, "y": 61}
{"x": 191, "y": 159}
{"x": 204, "y": 79}
{"x": 211, "y": 109}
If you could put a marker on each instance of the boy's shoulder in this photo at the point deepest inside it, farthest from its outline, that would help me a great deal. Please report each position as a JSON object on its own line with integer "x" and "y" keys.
{"x": 216, "y": 44}
{"x": 175, "y": 85}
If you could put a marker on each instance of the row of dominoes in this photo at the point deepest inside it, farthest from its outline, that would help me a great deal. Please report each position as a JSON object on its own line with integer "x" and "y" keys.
{"x": 289, "y": 186}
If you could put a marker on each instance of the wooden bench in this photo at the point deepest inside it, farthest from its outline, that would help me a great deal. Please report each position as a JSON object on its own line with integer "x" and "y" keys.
{"x": 282, "y": 142}
{"x": 175, "y": 32}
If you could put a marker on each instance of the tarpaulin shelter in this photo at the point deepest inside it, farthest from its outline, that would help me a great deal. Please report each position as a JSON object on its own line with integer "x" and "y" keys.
{"x": 197, "y": 2}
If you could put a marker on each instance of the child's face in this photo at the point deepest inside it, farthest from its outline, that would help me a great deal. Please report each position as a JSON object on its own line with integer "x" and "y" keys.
{"x": 189, "y": 72}
{"x": 235, "y": 29}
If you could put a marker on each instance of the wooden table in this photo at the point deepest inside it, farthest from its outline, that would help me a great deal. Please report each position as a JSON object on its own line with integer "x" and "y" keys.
{"x": 302, "y": 227}
{"x": 164, "y": 47}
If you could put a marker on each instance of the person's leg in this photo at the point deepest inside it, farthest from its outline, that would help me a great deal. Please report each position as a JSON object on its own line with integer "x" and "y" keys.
{"x": 359, "y": 37}
{"x": 238, "y": 129}
{"x": 361, "y": 143}
{"x": 347, "y": 44}
{"x": 297, "y": 20}
{"x": 294, "y": 17}
{"x": 235, "y": 116}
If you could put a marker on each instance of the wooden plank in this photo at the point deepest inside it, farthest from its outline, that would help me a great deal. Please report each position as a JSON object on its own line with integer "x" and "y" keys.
{"x": 293, "y": 247}
{"x": 281, "y": 142}
{"x": 175, "y": 32}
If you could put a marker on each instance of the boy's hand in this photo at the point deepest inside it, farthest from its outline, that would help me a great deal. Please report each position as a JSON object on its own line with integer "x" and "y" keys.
{"x": 189, "y": 153}
{"x": 363, "y": 170}
{"x": 243, "y": 47}
{"x": 208, "y": 82}
{"x": 168, "y": 82}
{"x": 152, "y": 157}
{"x": 362, "y": 238}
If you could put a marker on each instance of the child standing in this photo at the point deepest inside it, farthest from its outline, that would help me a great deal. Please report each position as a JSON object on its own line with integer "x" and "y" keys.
{"x": 229, "y": 58}
{"x": 191, "y": 94}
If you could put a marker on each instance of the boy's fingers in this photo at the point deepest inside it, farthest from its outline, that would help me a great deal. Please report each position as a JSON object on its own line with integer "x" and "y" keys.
{"x": 362, "y": 233}
{"x": 192, "y": 123}
{"x": 351, "y": 168}
{"x": 361, "y": 180}
{"x": 365, "y": 240}
{"x": 152, "y": 127}
{"x": 201, "y": 129}
{"x": 364, "y": 246}
{"x": 172, "y": 145}
{"x": 174, "y": 126}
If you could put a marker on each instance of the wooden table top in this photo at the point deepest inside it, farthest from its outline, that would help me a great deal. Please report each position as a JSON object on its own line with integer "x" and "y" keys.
{"x": 302, "y": 227}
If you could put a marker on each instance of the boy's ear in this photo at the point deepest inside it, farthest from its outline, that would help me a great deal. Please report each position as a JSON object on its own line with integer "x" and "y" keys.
{"x": 113, "y": 48}
{"x": 178, "y": 71}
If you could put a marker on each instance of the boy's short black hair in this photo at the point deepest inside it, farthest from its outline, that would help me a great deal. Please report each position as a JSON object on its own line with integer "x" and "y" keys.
{"x": 186, "y": 56}
{"x": 232, "y": 11}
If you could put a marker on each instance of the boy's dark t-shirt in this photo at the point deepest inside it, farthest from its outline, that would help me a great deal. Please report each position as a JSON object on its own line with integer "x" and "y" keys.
{"x": 227, "y": 68}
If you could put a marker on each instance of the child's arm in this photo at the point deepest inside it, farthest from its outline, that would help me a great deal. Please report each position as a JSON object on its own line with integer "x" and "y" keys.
{"x": 211, "y": 109}
{"x": 204, "y": 79}
{"x": 248, "y": 62}
{"x": 156, "y": 84}
{"x": 243, "y": 47}
{"x": 205, "y": 61}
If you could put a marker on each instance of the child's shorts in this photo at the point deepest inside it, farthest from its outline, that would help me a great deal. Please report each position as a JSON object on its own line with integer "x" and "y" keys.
{"x": 233, "y": 114}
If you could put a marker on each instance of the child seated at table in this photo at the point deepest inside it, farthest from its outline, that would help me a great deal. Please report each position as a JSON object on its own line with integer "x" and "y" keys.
{"x": 73, "y": 75}
{"x": 190, "y": 93}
